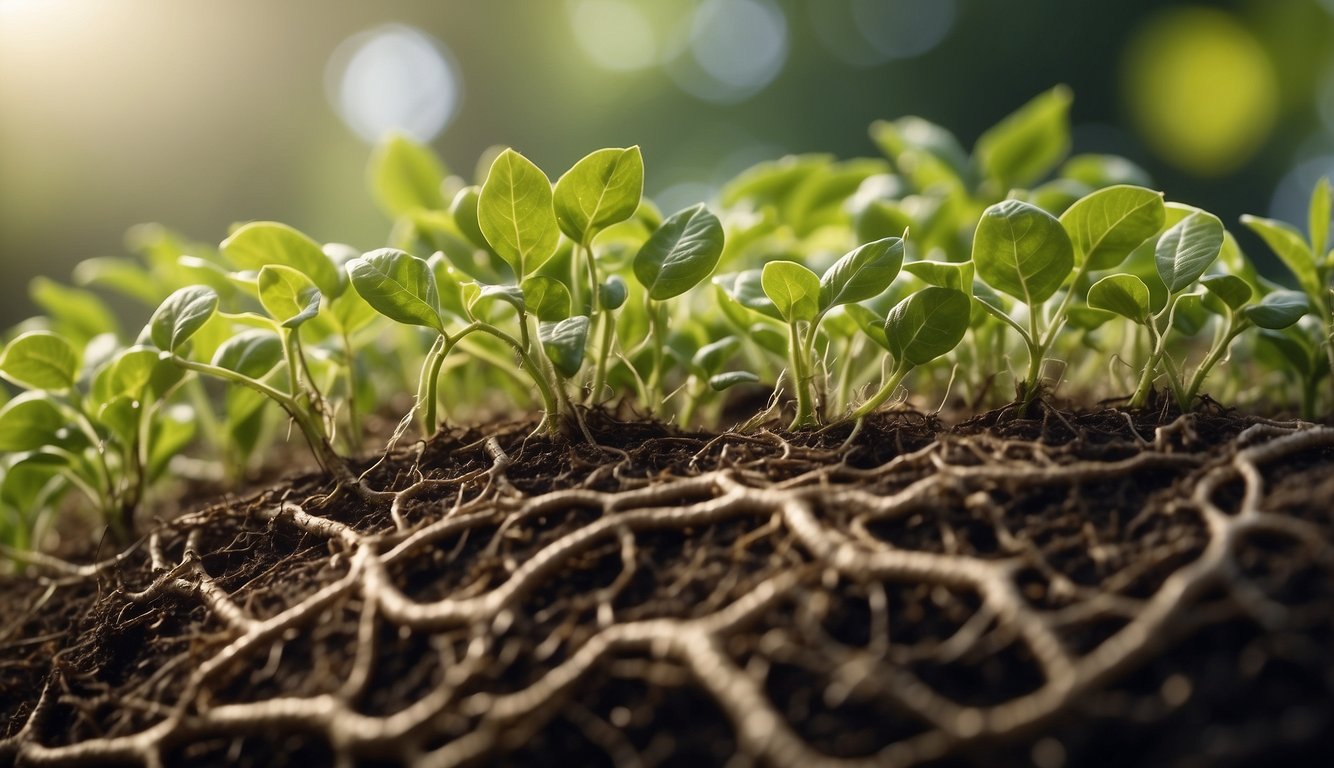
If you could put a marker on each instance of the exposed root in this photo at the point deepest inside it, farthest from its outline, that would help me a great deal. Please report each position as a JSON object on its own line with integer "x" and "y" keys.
{"x": 459, "y": 617}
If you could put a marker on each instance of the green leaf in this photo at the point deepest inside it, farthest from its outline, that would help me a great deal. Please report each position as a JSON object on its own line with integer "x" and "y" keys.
{"x": 722, "y": 381}
{"x": 399, "y": 286}
{"x": 1098, "y": 171}
{"x": 1107, "y": 225}
{"x": 546, "y": 297}
{"x": 1278, "y": 310}
{"x": 30, "y": 422}
{"x": 613, "y": 293}
{"x": 1319, "y": 216}
{"x": 870, "y": 322}
{"x": 1087, "y": 318}
{"x": 487, "y": 295}
{"x": 251, "y": 353}
{"x": 927, "y": 324}
{"x": 171, "y": 433}
{"x": 1022, "y": 250}
{"x": 77, "y": 313}
{"x": 712, "y": 356}
{"x": 794, "y": 290}
{"x": 946, "y": 274}
{"x": 747, "y": 289}
{"x": 261, "y": 243}
{"x": 405, "y": 176}
{"x": 1126, "y": 295}
{"x": 515, "y": 213}
{"x": 1025, "y": 146}
{"x": 680, "y": 254}
{"x": 181, "y": 316}
{"x": 1290, "y": 247}
{"x": 40, "y": 360}
{"x": 564, "y": 343}
{"x": 287, "y": 295}
{"x": 1187, "y": 249}
{"x": 1190, "y": 315}
{"x": 138, "y": 373}
{"x": 464, "y": 212}
{"x": 601, "y": 189}
{"x": 1230, "y": 289}
{"x": 862, "y": 274}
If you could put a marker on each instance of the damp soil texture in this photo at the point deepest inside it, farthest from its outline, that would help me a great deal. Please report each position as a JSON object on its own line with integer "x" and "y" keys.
{"x": 1098, "y": 588}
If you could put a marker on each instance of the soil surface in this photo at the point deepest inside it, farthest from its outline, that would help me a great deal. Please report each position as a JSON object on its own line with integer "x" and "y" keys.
{"x": 1100, "y": 588}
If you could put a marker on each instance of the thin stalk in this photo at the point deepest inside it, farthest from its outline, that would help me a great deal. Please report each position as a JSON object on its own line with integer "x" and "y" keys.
{"x": 885, "y": 392}
{"x": 1158, "y": 343}
{"x": 604, "y": 354}
{"x": 1035, "y": 353}
{"x": 656, "y": 349}
{"x": 550, "y": 401}
{"x": 800, "y": 375}
{"x": 1216, "y": 353}
{"x": 434, "y": 359}
{"x": 353, "y": 414}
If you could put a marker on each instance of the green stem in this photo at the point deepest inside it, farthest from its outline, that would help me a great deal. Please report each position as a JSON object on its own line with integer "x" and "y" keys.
{"x": 353, "y": 415}
{"x": 1158, "y": 343}
{"x": 1216, "y": 353}
{"x": 656, "y": 349}
{"x": 805, "y": 415}
{"x": 434, "y": 359}
{"x": 1036, "y": 351}
{"x": 550, "y": 402}
{"x": 604, "y": 354}
{"x": 885, "y": 392}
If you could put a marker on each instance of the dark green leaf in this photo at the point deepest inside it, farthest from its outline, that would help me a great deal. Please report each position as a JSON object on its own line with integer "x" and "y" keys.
{"x": 680, "y": 254}
{"x": 1291, "y": 248}
{"x": 722, "y": 381}
{"x": 1278, "y": 310}
{"x": 613, "y": 293}
{"x": 1230, "y": 289}
{"x": 564, "y": 343}
{"x": 927, "y": 324}
{"x": 712, "y": 356}
{"x": 1187, "y": 249}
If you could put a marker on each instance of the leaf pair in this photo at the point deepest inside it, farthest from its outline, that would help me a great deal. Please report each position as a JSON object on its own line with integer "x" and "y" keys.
{"x": 861, "y": 274}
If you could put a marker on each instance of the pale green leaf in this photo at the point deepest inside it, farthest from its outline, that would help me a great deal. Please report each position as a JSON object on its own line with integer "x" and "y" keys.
{"x": 29, "y": 422}
{"x": 1022, "y": 250}
{"x": 262, "y": 243}
{"x": 1291, "y": 248}
{"x": 680, "y": 254}
{"x": 288, "y": 296}
{"x": 515, "y": 213}
{"x": 181, "y": 316}
{"x": 405, "y": 176}
{"x": 546, "y": 297}
{"x": 40, "y": 360}
{"x": 600, "y": 190}
{"x": 1029, "y": 143}
{"x": 794, "y": 290}
{"x": 1108, "y": 224}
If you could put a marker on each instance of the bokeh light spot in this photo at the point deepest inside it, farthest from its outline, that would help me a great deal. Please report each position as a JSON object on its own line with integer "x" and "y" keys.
{"x": 1292, "y": 196}
{"x": 615, "y": 34}
{"x": 1201, "y": 89}
{"x": 902, "y": 29}
{"x": 393, "y": 78}
{"x": 731, "y": 50}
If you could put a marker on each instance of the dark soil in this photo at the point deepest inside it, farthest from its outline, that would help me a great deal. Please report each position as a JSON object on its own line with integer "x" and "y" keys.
{"x": 1048, "y": 588}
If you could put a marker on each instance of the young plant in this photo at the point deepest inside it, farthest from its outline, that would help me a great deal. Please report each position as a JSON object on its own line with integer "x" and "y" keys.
{"x": 1308, "y": 260}
{"x": 803, "y": 300}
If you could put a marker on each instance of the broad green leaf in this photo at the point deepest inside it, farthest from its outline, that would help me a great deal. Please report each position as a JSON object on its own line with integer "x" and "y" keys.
{"x": 1029, "y": 143}
{"x": 564, "y": 343}
{"x": 29, "y": 422}
{"x": 505, "y": 294}
{"x": 399, "y": 286}
{"x": 251, "y": 353}
{"x": 1319, "y": 216}
{"x": 1187, "y": 249}
{"x": 261, "y": 243}
{"x": 712, "y": 356}
{"x": 680, "y": 254}
{"x": 180, "y": 316}
{"x": 120, "y": 417}
{"x": 287, "y": 295}
{"x": 1278, "y": 310}
{"x": 862, "y": 274}
{"x": 1190, "y": 316}
{"x": 40, "y": 360}
{"x": 405, "y": 176}
{"x": 613, "y": 293}
{"x": 464, "y": 212}
{"x": 1126, "y": 295}
{"x": 870, "y": 322}
{"x": 1294, "y": 348}
{"x": 132, "y": 373}
{"x": 1087, "y": 318}
{"x": 946, "y": 274}
{"x": 747, "y": 289}
{"x": 546, "y": 297}
{"x": 1107, "y": 225}
{"x": 171, "y": 433}
{"x": 1289, "y": 245}
{"x": 515, "y": 213}
{"x": 721, "y": 381}
{"x": 601, "y": 189}
{"x": 1230, "y": 289}
{"x": 1022, "y": 250}
{"x": 794, "y": 290}
{"x": 923, "y": 149}
{"x": 927, "y": 324}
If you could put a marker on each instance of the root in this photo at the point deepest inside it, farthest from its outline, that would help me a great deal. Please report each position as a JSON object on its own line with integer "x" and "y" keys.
{"x": 532, "y": 608}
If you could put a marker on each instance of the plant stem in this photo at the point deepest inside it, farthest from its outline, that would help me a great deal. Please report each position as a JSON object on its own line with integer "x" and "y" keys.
{"x": 604, "y": 353}
{"x": 1216, "y": 353}
{"x": 656, "y": 350}
{"x": 885, "y": 392}
{"x": 434, "y": 359}
{"x": 353, "y": 415}
{"x": 800, "y": 376}
{"x": 550, "y": 402}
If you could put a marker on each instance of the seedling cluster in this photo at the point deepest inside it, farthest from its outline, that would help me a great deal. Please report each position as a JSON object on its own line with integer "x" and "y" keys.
{"x": 995, "y": 275}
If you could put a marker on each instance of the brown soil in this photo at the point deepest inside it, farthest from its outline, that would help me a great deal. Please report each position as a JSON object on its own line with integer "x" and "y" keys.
{"x": 1065, "y": 589}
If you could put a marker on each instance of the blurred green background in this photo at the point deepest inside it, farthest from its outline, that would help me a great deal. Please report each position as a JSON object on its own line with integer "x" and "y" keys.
{"x": 201, "y": 114}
